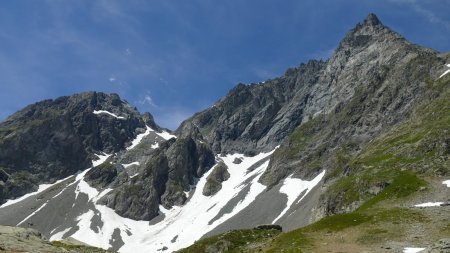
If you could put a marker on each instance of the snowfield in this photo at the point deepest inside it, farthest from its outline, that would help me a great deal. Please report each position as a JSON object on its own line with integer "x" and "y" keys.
{"x": 176, "y": 228}
{"x": 181, "y": 226}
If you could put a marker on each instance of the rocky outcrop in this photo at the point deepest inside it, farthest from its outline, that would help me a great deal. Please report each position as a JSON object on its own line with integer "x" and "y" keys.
{"x": 102, "y": 175}
{"x": 257, "y": 117}
{"x": 215, "y": 179}
{"x": 53, "y": 139}
{"x": 169, "y": 172}
{"x": 15, "y": 239}
{"x": 372, "y": 84}
{"x": 369, "y": 84}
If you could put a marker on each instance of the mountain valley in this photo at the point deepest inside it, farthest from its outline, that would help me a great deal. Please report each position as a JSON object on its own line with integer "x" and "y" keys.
{"x": 348, "y": 154}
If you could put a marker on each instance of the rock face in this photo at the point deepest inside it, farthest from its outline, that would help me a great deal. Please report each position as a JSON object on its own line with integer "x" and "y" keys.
{"x": 163, "y": 178}
{"x": 57, "y": 138}
{"x": 53, "y": 139}
{"x": 369, "y": 84}
{"x": 102, "y": 175}
{"x": 215, "y": 179}
{"x": 257, "y": 117}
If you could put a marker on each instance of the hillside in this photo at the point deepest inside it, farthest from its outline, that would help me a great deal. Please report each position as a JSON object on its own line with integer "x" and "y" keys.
{"x": 399, "y": 182}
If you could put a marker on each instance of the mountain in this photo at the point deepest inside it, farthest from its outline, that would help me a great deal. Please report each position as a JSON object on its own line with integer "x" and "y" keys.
{"x": 53, "y": 139}
{"x": 332, "y": 149}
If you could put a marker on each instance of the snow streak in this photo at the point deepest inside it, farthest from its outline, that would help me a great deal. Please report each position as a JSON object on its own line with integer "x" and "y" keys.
{"x": 108, "y": 113}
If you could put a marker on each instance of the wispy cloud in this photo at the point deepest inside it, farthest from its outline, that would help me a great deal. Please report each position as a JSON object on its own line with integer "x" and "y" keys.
{"x": 147, "y": 100}
{"x": 418, "y": 7}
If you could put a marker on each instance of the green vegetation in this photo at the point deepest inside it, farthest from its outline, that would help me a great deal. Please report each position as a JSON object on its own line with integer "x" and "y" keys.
{"x": 48, "y": 118}
{"x": 234, "y": 241}
{"x": 106, "y": 166}
{"x": 295, "y": 242}
{"x": 376, "y": 183}
{"x": 445, "y": 230}
{"x": 215, "y": 179}
{"x": 76, "y": 247}
{"x": 404, "y": 184}
{"x": 302, "y": 136}
{"x": 339, "y": 221}
{"x": 133, "y": 189}
{"x": 393, "y": 160}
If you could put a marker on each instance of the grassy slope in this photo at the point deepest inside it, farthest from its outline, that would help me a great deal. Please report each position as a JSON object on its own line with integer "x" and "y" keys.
{"x": 404, "y": 167}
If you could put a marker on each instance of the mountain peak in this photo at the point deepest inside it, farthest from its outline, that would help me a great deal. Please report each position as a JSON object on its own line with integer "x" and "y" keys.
{"x": 371, "y": 30}
{"x": 370, "y": 25}
{"x": 372, "y": 20}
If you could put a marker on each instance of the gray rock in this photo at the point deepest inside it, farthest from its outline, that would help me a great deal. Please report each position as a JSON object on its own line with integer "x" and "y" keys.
{"x": 102, "y": 175}
{"x": 219, "y": 246}
{"x": 256, "y": 117}
{"x": 215, "y": 179}
{"x": 15, "y": 239}
{"x": 167, "y": 174}
{"x": 442, "y": 245}
{"x": 53, "y": 139}
{"x": 369, "y": 84}
{"x": 237, "y": 160}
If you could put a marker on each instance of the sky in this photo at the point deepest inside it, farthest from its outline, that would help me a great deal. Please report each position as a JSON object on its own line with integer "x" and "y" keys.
{"x": 173, "y": 58}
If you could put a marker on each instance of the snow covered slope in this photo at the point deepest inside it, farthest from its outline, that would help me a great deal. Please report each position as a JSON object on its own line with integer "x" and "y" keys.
{"x": 79, "y": 216}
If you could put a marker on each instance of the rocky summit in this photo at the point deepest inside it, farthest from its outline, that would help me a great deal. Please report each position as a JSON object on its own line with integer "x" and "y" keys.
{"x": 350, "y": 154}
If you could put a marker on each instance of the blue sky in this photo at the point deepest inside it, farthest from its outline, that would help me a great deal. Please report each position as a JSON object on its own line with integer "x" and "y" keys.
{"x": 176, "y": 57}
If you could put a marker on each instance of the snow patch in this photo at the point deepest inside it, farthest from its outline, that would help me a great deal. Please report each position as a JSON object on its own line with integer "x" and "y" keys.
{"x": 101, "y": 159}
{"x": 155, "y": 146}
{"x": 294, "y": 187}
{"x": 446, "y": 72}
{"x": 87, "y": 189}
{"x": 139, "y": 138}
{"x": 446, "y": 182}
{"x": 59, "y": 236}
{"x": 86, "y": 234}
{"x": 189, "y": 222}
{"x": 429, "y": 204}
{"x": 166, "y": 135}
{"x": 103, "y": 193}
{"x": 41, "y": 188}
{"x": 82, "y": 185}
{"x": 130, "y": 164}
{"x": 108, "y": 113}
{"x": 134, "y": 175}
{"x": 412, "y": 250}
